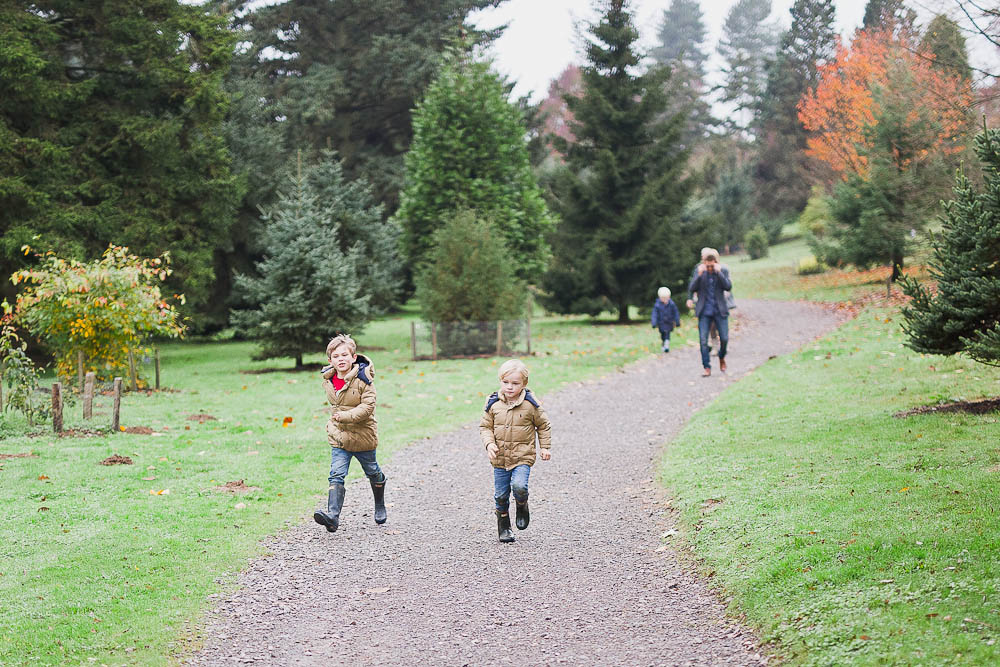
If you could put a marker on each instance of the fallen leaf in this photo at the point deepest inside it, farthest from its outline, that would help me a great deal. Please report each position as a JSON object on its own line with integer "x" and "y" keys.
{"x": 286, "y": 421}
{"x": 43, "y": 477}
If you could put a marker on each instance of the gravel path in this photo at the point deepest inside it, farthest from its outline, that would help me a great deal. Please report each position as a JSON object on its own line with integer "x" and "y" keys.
{"x": 588, "y": 583}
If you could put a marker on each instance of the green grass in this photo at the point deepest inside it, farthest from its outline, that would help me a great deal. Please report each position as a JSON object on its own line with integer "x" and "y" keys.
{"x": 847, "y": 535}
{"x": 112, "y": 564}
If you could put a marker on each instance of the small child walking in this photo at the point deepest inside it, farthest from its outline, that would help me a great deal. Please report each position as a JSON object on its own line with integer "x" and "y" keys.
{"x": 512, "y": 421}
{"x": 352, "y": 430}
{"x": 665, "y": 316}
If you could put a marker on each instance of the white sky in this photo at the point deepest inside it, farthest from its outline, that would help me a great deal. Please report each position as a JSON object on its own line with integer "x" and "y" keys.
{"x": 540, "y": 40}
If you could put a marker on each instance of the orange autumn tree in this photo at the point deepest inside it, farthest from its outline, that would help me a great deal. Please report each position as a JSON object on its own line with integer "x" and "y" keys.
{"x": 891, "y": 126}
{"x": 883, "y": 69}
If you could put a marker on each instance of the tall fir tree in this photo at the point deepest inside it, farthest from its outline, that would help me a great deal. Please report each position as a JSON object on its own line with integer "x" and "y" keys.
{"x": 944, "y": 39}
{"x": 964, "y": 314}
{"x": 747, "y": 45}
{"x": 884, "y": 13}
{"x": 469, "y": 153}
{"x": 782, "y": 172}
{"x": 347, "y": 74}
{"x": 680, "y": 47}
{"x": 110, "y": 118}
{"x": 307, "y": 287}
{"x": 622, "y": 196}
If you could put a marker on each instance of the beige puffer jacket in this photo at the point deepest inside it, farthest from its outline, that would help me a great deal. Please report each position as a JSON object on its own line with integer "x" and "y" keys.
{"x": 357, "y": 429}
{"x": 512, "y": 426}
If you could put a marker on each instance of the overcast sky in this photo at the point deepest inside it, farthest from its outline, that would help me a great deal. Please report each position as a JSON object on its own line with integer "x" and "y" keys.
{"x": 540, "y": 40}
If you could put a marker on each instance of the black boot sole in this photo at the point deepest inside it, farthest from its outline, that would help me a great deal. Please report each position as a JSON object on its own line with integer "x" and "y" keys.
{"x": 323, "y": 520}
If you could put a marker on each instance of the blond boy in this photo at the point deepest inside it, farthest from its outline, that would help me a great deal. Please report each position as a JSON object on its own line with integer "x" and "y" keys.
{"x": 352, "y": 430}
{"x": 513, "y": 419}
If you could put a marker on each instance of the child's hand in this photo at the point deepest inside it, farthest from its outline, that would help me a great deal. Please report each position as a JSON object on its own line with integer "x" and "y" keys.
{"x": 336, "y": 416}
{"x": 492, "y": 450}
{"x": 545, "y": 454}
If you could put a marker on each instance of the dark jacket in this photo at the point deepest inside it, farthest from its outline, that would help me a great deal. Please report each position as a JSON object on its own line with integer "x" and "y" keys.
{"x": 699, "y": 284}
{"x": 665, "y": 315}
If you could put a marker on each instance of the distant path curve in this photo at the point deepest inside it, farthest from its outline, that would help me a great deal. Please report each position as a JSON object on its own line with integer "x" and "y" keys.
{"x": 584, "y": 585}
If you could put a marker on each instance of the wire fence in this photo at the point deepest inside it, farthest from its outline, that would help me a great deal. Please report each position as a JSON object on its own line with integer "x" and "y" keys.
{"x": 457, "y": 340}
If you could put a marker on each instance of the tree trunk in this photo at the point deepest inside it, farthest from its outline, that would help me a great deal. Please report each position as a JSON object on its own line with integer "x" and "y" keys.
{"x": 897, "y": 265}
{"x": 298, "y": 360}
{"x": 623, "y": 311}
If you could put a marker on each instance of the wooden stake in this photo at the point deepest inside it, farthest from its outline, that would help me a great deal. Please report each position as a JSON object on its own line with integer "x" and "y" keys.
{"x": 117, "y": 406}
{"x": 57, "y": 420}
{"x": 131, "y": 371}
{"x": 527, "y": 334}
{"x": 413, "y": 339}
{"x": 88, "y": 396}
{"x": 156, "y": 362}
{"x": 79, "y": 370}
{"x": 499, "y": 338}
{"x": 434, "y": 341}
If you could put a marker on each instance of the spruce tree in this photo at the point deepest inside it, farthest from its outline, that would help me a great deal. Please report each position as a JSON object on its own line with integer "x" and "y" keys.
{"x": 964, "y": 314}
{"x": 622, "y": 195}
{"x": 944, "y": 39}
{"x": 782, "y": 169}
{"x": 306, "y": 288}
{"x": 748, "y": 43}
{"x": 469, "y": 153}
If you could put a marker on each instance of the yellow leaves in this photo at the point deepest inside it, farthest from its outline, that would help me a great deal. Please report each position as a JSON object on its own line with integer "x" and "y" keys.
{"x": 161, "y": 492}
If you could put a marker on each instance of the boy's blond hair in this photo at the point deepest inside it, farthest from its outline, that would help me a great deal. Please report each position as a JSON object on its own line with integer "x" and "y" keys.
{"x": 337, "y": 341}
{"x": 511, "y": 366}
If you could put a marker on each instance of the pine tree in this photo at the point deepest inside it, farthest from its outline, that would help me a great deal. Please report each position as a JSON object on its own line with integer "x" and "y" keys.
{"x": 964, "y": 314}
{"x": 110, "y": 119}
{"x": 348, "y": 73}
{"x": 748, "y": 43}
{"x": 782, "y": 171}
{"x": 307, "y": 288}
{"x": 622, "y": 195}
{"x": 884, "y": 13}
{"x": 681, "y": 36}
{"x": 944, "y": 39}
{"x": 469, "y": 153}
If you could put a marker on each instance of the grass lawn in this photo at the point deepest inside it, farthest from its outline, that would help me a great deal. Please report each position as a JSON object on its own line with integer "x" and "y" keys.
{"x": 108, "y": 564}
{"x": 843, "y": 533}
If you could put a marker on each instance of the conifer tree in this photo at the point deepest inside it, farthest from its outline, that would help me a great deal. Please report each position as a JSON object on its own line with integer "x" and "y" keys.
{"x": 622, "y": 195}
{"x": 469, "y": 153}
{"x": 748, "y": 43}
{"x": 964, "y": 314}
{"x": 307, "y": 287}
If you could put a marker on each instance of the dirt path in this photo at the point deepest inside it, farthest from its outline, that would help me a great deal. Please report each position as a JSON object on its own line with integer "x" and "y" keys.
{"x": 584, "y": 585}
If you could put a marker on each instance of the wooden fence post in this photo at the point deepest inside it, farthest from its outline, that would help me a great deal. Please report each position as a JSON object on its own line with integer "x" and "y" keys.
{"x": 413, "y": 339}
{"x": 57, "y": 420}
{"x": 79, "y": 370}
{"x": 88, "y": 396}
{"x": 117, "y": 406}
{"x": 434, "y": 341}
{"x": 499, "y": 337}
{"x": 3, "y": 369}
{"x": 131, "y": 370}
{"x": 527, "y": 333}
{"x": 156, "y": 362}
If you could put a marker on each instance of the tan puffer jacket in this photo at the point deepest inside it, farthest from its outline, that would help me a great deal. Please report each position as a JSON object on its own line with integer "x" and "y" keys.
{"x": 512, "y": 426}
{"x": 357, "y": 429}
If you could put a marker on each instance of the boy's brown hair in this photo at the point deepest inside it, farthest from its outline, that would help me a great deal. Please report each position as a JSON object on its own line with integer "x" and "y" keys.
{"x": 337, "y": 341}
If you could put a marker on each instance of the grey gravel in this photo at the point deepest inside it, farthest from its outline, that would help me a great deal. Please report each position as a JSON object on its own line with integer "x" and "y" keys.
{"x": 591, "y": 581}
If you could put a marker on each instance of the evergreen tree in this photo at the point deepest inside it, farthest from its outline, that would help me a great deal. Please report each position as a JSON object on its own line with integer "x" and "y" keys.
{"x": 681, "y": 36}
{"x": 469, "y": 153}
{"x": 748, "y": 43}
{"x": 943, "y": 38}
{"x": 622, "y": 196}
{"x": 883, "y": 13}
{"x": 110, "y": 116}
{"x": 782, "y": 169}
{"x": 348, "y": 73}
{"x": 307, "y": 287}
{"x": 964, "y": 314}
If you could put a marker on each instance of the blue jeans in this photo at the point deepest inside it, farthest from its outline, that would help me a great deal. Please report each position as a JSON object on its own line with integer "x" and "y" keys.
{"x": 505, "y": 480}
{"x": 340, "y": 463}
{"x": 722, "y": 326}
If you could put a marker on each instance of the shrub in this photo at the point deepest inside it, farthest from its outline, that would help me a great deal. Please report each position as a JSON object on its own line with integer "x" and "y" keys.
{"x": 756, "y": 242}
{"x": 468, "y": 277}
{"x": 810, "y": 265}
{"x": 103, "y": 308}
{"x": 17, "y": 371}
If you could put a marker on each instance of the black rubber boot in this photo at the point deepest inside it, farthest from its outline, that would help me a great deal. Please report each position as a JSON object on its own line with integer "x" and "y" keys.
{"x": 503, "y": 527}
{"x": 522, "y": 517}
{"x": 378, "y": 490}
{"x": 331, "y": 517}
